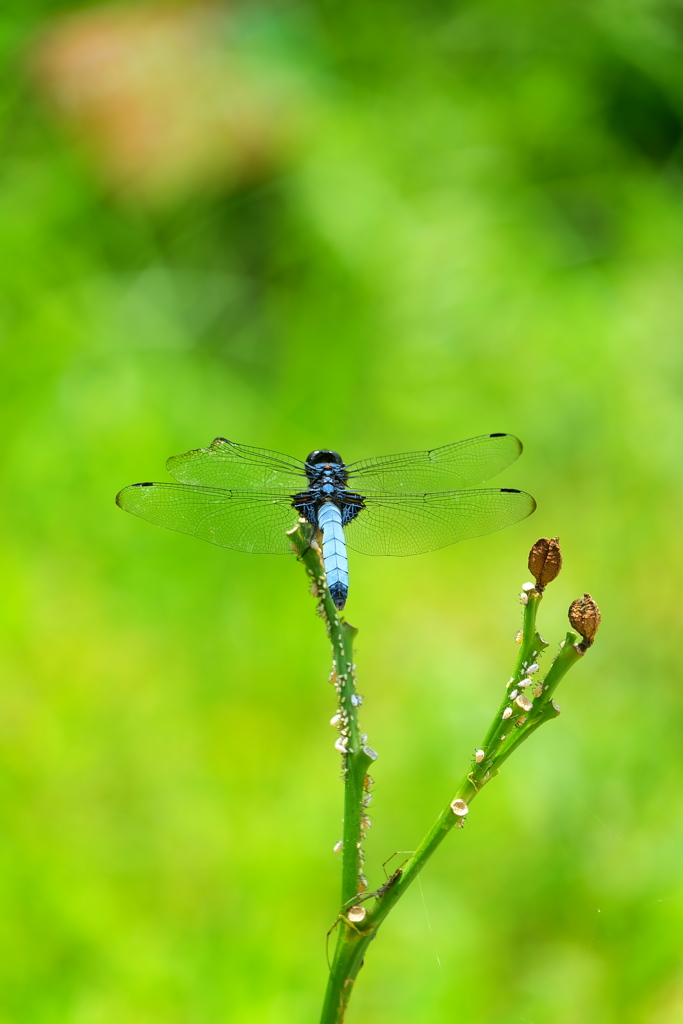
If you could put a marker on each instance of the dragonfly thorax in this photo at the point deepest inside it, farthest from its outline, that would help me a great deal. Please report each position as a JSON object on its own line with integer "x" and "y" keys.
{"x": 327, "y": 476}
{"x": 326, "y": 473}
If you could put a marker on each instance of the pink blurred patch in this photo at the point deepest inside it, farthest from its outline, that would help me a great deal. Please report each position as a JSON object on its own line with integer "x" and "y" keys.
{"x": 166, "y": 99}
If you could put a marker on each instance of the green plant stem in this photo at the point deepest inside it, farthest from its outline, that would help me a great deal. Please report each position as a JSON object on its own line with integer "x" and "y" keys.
{"x": 353, "y": 940}
{"x": 348, "y": 960}
{"x": 356, "y": 759}
{"x": 546, "y": 708}
{"x": 511, "y": 725}
{"x": 531, "y": 646}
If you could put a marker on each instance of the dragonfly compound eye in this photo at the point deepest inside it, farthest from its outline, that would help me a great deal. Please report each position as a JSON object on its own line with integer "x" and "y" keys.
{"x": 315, "y": 458}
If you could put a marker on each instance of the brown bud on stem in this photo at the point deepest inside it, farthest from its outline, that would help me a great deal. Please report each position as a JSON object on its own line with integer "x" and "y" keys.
{"x": 545, "y": 561}
{"x": 584, "y": 616}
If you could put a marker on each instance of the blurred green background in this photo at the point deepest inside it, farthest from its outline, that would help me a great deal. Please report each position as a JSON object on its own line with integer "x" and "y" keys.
{"x": 372, "y": 227}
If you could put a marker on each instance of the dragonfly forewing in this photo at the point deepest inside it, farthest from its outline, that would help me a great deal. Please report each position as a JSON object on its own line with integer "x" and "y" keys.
{"x": 227, "y": 464}
{"x": 452, "y": 466}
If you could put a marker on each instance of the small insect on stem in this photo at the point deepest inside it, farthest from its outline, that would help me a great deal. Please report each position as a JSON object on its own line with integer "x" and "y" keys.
{"x": 395, "y": 854}
{"x": 388, "y": 884}
{"x": 377, "y": 893}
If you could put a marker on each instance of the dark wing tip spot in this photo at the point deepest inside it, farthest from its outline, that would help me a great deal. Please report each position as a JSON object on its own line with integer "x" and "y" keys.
{"x": 223, "y": 440}
{"x": 149, "y": 484}
{"x": 510, "y": 490}
{"x": 497, "y": 435}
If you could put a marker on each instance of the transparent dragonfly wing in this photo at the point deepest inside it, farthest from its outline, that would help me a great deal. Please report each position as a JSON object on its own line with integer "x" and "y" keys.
{"x": 227, "y": 464}
{"x": 411, "y": 524}
{"x": 454, "y": 465}
{"x": 243, "y": 520}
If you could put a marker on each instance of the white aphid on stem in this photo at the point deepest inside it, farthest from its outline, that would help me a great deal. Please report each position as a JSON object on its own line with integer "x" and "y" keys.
{"x": 459, "y": 807}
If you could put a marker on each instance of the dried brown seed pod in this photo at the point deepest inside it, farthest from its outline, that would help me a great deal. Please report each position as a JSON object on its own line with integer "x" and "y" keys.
{"x": 545, "y": 561}
{"x": 584, "y": 616}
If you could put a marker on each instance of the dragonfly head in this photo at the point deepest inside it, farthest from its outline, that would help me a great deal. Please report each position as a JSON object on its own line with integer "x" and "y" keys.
{"x": 322, "y": 457}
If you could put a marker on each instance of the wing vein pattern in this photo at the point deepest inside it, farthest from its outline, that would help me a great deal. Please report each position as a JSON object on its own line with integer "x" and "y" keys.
{"x": 452, "y": 466}
{"x": 229, "y": 465}
{"x": 411, "y": 524}
{"x": 238, "y": 519}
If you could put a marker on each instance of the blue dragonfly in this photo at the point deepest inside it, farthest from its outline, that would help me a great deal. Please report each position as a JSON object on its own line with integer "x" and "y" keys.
{"x": 247, "y": 498}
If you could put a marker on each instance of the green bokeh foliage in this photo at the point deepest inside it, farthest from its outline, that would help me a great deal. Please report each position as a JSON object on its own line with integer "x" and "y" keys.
{"x": 481, "y": 231}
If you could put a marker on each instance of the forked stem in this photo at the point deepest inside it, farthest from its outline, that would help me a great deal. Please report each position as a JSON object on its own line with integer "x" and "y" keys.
{"x": 526, "y": 705}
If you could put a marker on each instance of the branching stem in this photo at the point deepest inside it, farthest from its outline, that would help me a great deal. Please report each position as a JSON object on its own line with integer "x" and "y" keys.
{"x": 526, "y": 705}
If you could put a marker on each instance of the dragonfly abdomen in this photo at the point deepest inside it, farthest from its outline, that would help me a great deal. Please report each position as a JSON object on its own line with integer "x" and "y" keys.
{"x": 334, "y": 552}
